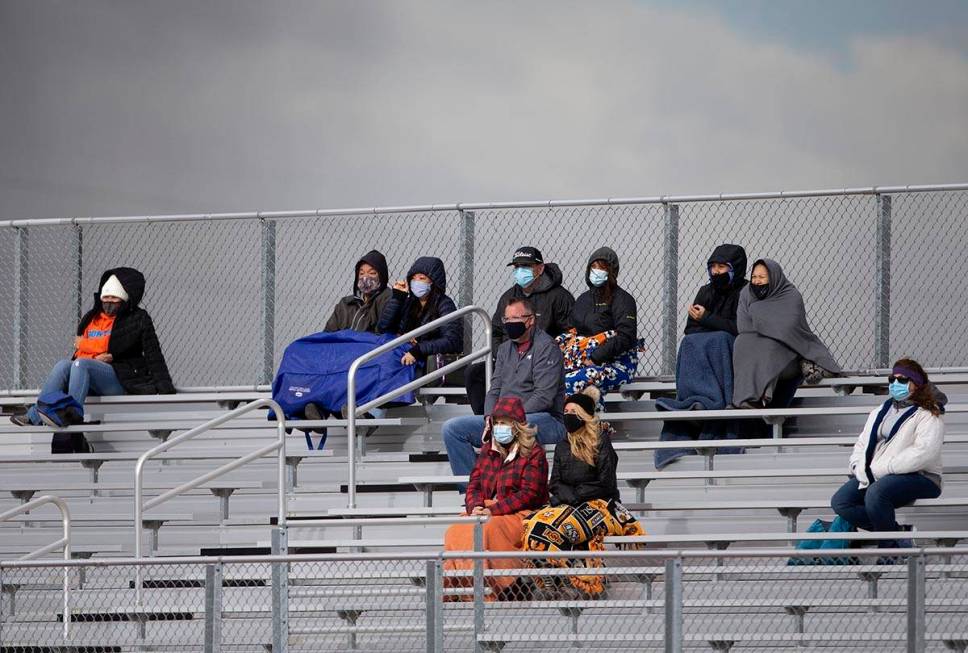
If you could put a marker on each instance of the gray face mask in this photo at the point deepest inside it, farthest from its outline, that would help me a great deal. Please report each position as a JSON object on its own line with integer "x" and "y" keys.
{"x": 367, "y": 285}
{"x": 110, "y": 308}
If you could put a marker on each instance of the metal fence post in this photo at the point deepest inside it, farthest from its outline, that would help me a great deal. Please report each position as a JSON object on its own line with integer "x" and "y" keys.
{"x": 78, "y": 247}
{"x": 673, "y": 606}
{"x": 280, "y": 592}
{"x": 478, "y": 586}
{"x": 882, "y": 290}
{"x": 430, "y": 582}
{"x": 20, "y": 306}
{"x": 670, "y": 288}
{"x": 268, "y": 299}
{"x": 439, "y": 606}
{"x": 465, "y": 296}
{"x": 213, "y": 608}
{"x": 915, "y": 604}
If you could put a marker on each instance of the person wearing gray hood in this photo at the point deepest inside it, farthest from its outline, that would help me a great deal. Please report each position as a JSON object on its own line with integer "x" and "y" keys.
{"x": 602, "y": 348}
{"x": 775, "y": 350}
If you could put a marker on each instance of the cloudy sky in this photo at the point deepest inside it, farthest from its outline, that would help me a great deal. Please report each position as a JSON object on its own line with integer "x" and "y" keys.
{"x": 140, "y": 106}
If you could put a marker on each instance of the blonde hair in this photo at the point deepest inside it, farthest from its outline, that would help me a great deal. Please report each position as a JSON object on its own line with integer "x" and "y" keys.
{"x": 585, "y": 441}
{"x": 524, "y": 436}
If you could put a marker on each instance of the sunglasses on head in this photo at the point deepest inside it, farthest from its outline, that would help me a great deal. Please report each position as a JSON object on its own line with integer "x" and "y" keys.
{"x": 898, "y": 377}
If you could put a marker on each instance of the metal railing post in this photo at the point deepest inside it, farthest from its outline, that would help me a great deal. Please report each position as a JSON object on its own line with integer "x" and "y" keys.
{"x": 915, "y": 604}
{"x": 430, "y": 582}
{"x": 21, "y": 286}
{"x": 465, "y": 258}
{"x": 673, "y": 606}
{"x": 213, "y": 608}
{"x": 439, "y": 606}
{"x": 670, "y": 287}
{"x": 78, "y": 247}
{"x": 882, "y": 283}
{"x": 268, "y": 298}
{"x": 478, "y": 585}
{"x": 280, "y": 592}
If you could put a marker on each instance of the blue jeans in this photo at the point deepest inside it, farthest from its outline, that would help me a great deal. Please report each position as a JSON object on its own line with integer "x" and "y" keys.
{"x": 462, "y": 434}
{"x": 79, "y": 378}
{"x": 872, "y": 508}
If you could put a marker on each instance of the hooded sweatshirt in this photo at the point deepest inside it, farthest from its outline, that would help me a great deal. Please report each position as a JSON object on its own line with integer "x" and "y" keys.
{"x": 720, "y": 304}
{"x": 133, "y": 344}
{"x": 552, "y": 306}
{"x": 403, "y": 312}
{"x": 362, "y": 313}
{"x": 593, "y": 314}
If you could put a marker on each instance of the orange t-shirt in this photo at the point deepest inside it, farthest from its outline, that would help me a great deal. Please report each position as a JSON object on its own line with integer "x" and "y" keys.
{"x": 96, "y": 335}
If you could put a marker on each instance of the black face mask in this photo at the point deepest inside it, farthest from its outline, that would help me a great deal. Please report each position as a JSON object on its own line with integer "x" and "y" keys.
{"x": 760, "y": 292}
{"x": 720, "y": 281}
{"x": 573, "y": 422}
{"x": 110, "y": 308}
{"x": 514, "y": 330}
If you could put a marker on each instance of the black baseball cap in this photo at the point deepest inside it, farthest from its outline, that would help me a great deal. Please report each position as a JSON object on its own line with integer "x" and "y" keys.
{"x": 526, "y": 256}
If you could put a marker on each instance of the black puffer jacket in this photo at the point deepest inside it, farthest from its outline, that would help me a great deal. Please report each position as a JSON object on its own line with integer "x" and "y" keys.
{"x": 721, "y": 304}
{"x": 552, "y": 305}
{"x": 362, "y": 313}
{"x": 136, "y": 353}
{"x": 593, "y": 314}
{"x": 574, "y": 481}
{"x": 403, "y": 312}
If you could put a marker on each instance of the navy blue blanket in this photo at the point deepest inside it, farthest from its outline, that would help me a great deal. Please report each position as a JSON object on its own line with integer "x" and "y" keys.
{"x": 704, "y": 373}
{"x": 314, "y": 369}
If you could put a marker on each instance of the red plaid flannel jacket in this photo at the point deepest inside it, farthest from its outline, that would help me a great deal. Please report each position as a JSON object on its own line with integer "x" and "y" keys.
{"x": 521, "y": 484}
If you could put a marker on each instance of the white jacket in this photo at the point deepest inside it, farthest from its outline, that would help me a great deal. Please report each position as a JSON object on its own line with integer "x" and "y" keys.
{"x": 915, "y": 447}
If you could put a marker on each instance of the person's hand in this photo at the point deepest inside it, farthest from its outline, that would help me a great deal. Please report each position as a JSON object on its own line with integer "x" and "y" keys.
{"x": 587, "y": 361}
{"x": 401, "y": 286}
{"x": 697, "y": 312}
{"x": 77, "y": 342}
{"x": 104, "y": 358}
{"x": 408, "y": 359}
{"x": 479, "y": 511}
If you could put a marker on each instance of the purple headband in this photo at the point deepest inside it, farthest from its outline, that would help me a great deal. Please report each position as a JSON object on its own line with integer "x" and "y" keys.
{"x": 909, "y": 373}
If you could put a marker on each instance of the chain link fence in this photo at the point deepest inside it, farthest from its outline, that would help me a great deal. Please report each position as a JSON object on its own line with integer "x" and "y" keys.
{"x": 605, "y": 601}
{"x": 877, "y": 268}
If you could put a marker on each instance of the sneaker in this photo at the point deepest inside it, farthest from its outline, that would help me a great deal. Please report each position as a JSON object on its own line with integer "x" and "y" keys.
{"x": 47, "y": 420}
{"x": 312, "y": 412}
{"x": 906, "y": 543}
{"x": 20, "y": 419}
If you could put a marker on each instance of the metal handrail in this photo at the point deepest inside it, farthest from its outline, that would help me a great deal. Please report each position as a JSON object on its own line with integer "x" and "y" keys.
{"x": 64, "y": 542}
{"x": 351, "y": 408}
{"x": 279, "y": 446}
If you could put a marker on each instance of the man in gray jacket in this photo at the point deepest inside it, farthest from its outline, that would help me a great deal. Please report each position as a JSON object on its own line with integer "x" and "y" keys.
{"x": 529, "y": 365}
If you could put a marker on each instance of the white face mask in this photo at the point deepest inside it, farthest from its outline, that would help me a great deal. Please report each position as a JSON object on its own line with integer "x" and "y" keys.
{"x": 597, "y": 277}
{"x": 503, "y": 433}
{"x": 420, "y": 288}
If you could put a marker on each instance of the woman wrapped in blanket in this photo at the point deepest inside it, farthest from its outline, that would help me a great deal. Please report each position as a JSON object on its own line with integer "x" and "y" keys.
{"x": 897, "y": 457}
{"x": 584, "y": 502}
{"x": 602, "y": 349}
{"x": 508, "y": 483}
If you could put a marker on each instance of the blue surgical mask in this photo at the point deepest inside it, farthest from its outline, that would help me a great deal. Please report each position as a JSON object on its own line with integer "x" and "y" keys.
{"x": 899, "y": 391}
{"x": 420, "y": 288}
{"x": 597, "y": 277}
{"x": 523, "y": 276}
{"x": 503, "y": 433}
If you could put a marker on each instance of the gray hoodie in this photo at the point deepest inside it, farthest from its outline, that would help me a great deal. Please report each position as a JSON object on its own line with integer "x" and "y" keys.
{"x": 537, "y": 377}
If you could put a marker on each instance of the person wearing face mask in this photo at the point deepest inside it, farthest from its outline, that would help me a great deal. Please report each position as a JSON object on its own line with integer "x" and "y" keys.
{"x": 602, "y": 349}
{"x": 539, "y": 282}
{"x": 419, "y": 300}
{"x": 530, "y": 366}
{"x": 584, "y": 501}
{"x": 361, "y": 310}
{"x": 508, "y": 482}
{"x": 897, "y": 457}
{"x": 776, "y": 349}
{"x": 704, "y": 365}
{"x": 116, "y": 350}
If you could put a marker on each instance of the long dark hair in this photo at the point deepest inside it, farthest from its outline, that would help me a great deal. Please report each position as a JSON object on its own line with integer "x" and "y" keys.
{"x": 607, "y": 290}
{"x": 923, "y": 395}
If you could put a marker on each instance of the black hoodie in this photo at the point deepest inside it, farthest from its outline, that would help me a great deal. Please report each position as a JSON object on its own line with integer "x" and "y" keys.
{"x": 721, "y": 305}
{"x": 403, "y": 312}
{"x": 361, "y": 313}
{"x": 592, "y": 314}
{"x": 552, "y": 305}
{"x": 135, "y": 351}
